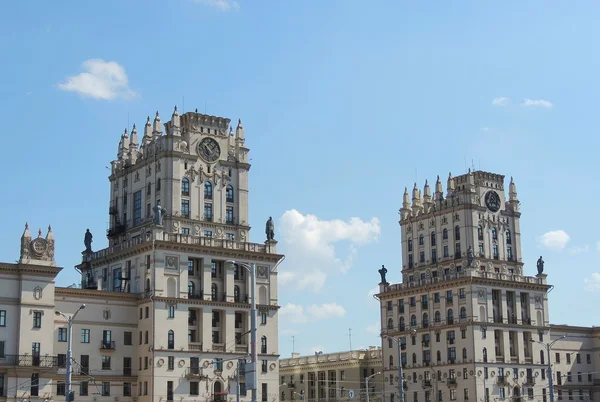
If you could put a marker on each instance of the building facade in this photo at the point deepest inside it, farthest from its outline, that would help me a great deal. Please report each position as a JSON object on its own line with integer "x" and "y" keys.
{"x": 470, "y": 323}
{"x": 167, "y": 312}
{"x": 332, "y": 376}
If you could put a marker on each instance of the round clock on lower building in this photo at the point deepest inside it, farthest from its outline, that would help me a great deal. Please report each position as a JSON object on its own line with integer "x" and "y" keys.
{"x": 492, "y": 201}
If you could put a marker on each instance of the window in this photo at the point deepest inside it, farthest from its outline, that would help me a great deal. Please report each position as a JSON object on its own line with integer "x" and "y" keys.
{"x": 410, "y": 246}
{"x": 117, "y": 279}
{"x": 2, "y": 318}
{"x": 264, "y": 394}
{"x": 263, "y": 318}
{"x": 236, "y": 293}
{"x": 445, "y": 234}
{"x": 578, "y": 358}
{"x": 194, "y": 388}
{"x": 568, "y": 358}
{"x": 146, "y": 337}
{"x": 208, "y": 233}
{"x": 37, "y": 319}
{"x": 171, "y": 340}
{"x": 185, "y": 208}
{"x": 229, "y": 193}
{"x": 83, "y": 388}
{"x": 137, "y": 208}
{"x": 85, "y": 336}
{"x": 126, "y": 389}
{"x": 213, "y": 291}
{"x": 229, "y": 215}
{"x": 170, "y": 362}
{"x": 457, "y": 233}
{"x": 421, "y": 240}
{"x": 263, "y": 344}
{"x": 106, "y": 388}
{"x": 208, "y": 190}
{"x": 264, "y": 366}
{"x": 35, "y": 384}
{"x": 105, "y": 362}
{"x": 433, "y": 238}
{"x": 158, "y": 185}
{"x": 463, "y": 313}
{"x": 229, "y": 236}
{"x": 171, "y": 311}
{"x": 494, "y": 234}
{"x": 208, "y": 214}
{"x": 62, "y": 334}
{"x": 185, "y": 187}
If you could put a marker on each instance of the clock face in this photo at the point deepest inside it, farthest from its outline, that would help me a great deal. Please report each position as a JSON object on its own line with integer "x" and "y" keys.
{"x": 209, "y": 150}
{"x": 492, "y": 201}
{"x": 39, "y": 246}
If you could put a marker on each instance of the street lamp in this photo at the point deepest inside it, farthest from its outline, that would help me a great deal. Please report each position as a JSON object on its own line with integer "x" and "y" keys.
{"x": 548, "y": 347}
{"x": 69, "y": 319}
{"x": 252, "y": 268}
{"x": 367, "y": 383}
{"x": 400, "y": 380}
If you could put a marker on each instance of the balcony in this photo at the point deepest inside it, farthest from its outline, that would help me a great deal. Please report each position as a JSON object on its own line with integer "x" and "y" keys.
{"x": 196, "y": 346}
{"x": 426, "y": 383}
{"x": 291, "y": 385}
{"x": 530, "y": 381}
{"x": 452, "y": 382}
{"x": 29, "y": 361}
{"x": 501, "y": 381}
{"x": 241, "y": 348}
{"x": 107, "y": 345}
{"x": 194, "y": 373}
{"x": 192, "y": 321}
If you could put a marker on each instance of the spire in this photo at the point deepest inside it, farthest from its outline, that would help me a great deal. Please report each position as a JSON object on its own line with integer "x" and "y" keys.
{"x": 40, "y": 232}
{"x": 148, "y": 129}
{"x": 426, "y": 191}
{"x": 512, "y": 190}
{"x": 26, "y": 233}
{"x": 405, "y": 199}
{"x": 133, "y": 142}
{"x": 125, "y": 140}
{"x": 450, "y": 184}
{"x": 175, "y": 119}
{"x": 239, "y": 131}
{"x": 157, "y": 126}
{"x": 49, "y": 235}
{"x": 415, "y": 194}
{"x": 230, "y": 130}
{"x": 439, "y": 191}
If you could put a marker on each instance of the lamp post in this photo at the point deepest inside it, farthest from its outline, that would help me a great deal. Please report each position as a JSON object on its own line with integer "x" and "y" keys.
{"x": 548, "y": 347}
{"x": 367, "y": 383}
{"x": 253, "y": 356}
{"x": 400, "y": 380}
{"x": 69, "y": 319}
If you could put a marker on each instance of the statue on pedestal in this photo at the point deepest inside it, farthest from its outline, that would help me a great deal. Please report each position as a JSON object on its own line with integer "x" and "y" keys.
{"x": 270, "y": 229}
{"x": 470, "y": 256}
{"x": 87, "y": 241}
{"x": 540, "y": 265}
{"x": 159, "y": 211}
{"x": 383, "y": 272}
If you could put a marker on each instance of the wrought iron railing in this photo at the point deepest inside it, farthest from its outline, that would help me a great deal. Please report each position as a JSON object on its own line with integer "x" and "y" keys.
{"x": 29, "y": 361}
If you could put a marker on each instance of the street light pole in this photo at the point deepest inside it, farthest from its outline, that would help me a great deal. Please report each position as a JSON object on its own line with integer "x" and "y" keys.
{"x": 400, "y": 381}
{"x": 367, "y": 383}
{"x": 68, "y": 396}
{"x": 548, "y": 347}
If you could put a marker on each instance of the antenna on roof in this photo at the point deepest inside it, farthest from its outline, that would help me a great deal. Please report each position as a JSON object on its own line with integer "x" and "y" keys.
{"x": 472, "y": 165}
{"x": 350, "y": 337}
{"x": 293, "y": 344}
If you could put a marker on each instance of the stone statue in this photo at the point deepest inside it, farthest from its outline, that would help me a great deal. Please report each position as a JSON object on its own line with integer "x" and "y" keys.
{"x": 270, "y": 229}
{"x": 159, "y": 211}
{"x": 87, "y": 240}
{"x": 470, "y": 256}
{"x": 540, "y": 265}
{"x": 383, "y": 272}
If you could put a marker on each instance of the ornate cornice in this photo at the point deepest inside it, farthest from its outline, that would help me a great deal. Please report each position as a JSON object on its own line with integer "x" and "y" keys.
{"x": 94, "y": 294}
{"x": 208, "y": 303}
{"x": 24, "y": 269}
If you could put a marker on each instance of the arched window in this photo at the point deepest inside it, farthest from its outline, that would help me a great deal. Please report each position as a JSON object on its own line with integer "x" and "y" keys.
{"x": 402, "y": 324}
{"x": 421, "y": 240}
{"x": 438, "y": 356}
{"x": 463, "y": 313}
{"x": 464, "y": 353}
{"x": 445, "y": 234}
{"x": 485, "y": 355}
{"x": 191, "y": 288}
{"x": 457, "y": 233}
{"x": 391, "y": 361}
{"x": 437, "y": 317}
{"x": 414, "y": 358}
{"x": 390, "y": 323}
{"x": 185, "y": 186}
{"x": 480, "y": 232}
{"x": 433, "y": 238}
{"x": 263, "y": 344}
{"x": 149, "y": 189}
{"x": 229, "y": 193}
{"x": 171, "y": 340}
{"x": 236, "y": 293}
{"x": 213, "y": 291}
{"x": 425, "y": 320}
{"x": 450, "y": 316}
{"x": 413, "y": 320}
{"x": 208, "y": 190}
{"x": 494, "y": 234}
{"x": 158, "y": 185}
{"x": 508, "y": 238}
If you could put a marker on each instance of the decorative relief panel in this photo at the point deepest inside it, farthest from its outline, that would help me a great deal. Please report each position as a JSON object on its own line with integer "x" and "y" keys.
{"x": 481, "y": 295}
{"x": 539, "y": 301}
{"x": 262, "y": 272}
{"x": 171, "y": 262}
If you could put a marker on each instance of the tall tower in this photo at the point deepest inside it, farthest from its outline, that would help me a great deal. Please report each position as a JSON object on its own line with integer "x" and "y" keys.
{"x": 465, "y": 313}
{"x": 179, "y": 238}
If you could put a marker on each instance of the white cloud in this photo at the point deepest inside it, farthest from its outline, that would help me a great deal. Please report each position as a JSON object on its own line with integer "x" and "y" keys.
{"x": 501, "y": 101}
{"x": 296, "y": 314}
{"x": 484, "y": 129}
{"x": 374, "y": 328}
{"x": 312, "y": 246}
{"x": 326, "y": 311}
{"x": 293, "y": 313}
{"x": 223, "y": 5}
{"x": 579, "y": 249}
{"x": 537, "y": 103}
{"x": 592, "y": 284}
{"x": 285, "y": 277}
{"x": 101, "y": 79}
{"x": 554, "y": 240}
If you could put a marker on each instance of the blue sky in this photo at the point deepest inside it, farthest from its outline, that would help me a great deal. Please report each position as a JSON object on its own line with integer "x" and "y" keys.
{"x": 344, "y": 103}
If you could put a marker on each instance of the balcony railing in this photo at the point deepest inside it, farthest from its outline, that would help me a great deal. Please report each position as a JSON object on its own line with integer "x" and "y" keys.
{"x": 502, "y": 381}
{"x": 530, "y": 380}
{"x": 194, "y": 372}
{"x": 29, "y": 361}
{"x": 107, "y": 345}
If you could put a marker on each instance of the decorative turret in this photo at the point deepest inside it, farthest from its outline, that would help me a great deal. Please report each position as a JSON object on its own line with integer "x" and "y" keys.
{"x": 470, "y": 187}
{"x": 439, "y": 191}
{"x": 450, "y": 185}
{"x": 38, "y": 251}
{"x": 156, "y": 126}
{"x": 405, "y": 210}
{"x": 415, "y": 195}
{"x": 175, "y": 128}
{"x": 133, "y": 142}
{"x": 426, "y": 196}
{"x": 239, "y": 131}
{"x": 512, "y": 191}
